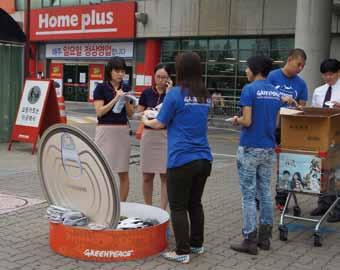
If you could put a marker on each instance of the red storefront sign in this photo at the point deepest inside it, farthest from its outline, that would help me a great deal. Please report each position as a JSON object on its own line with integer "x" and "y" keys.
{"x": 96, "y": 75}
{"x": 104, "y": 21}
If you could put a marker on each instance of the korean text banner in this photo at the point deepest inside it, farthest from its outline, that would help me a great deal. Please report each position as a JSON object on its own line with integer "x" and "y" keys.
{"x": 90, "y": 50}
{"x": 104, "y": 21}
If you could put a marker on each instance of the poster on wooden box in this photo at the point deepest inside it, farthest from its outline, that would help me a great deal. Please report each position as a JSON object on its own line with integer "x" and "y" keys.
{"x": 299, "y": 172}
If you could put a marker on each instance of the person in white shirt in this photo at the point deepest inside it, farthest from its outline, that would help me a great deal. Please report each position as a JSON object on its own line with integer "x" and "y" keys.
{"x": 328, "y": 96}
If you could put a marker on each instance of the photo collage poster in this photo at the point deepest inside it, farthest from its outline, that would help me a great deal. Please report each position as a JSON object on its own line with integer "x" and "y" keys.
{"x": 299, "y": 172}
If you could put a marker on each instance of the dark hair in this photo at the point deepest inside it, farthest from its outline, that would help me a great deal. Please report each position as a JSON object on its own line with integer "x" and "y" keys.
{"x": 115, "y": 63}
{"x": 162, "y": 66}
{"x": 189, "y": 75}
{"x": 286, "y": 172}
{"x": 298, "y": 175}
{"x": 260, "y": 64}
{"x": 297, "y": 52}
{"x": 330, "y": 65}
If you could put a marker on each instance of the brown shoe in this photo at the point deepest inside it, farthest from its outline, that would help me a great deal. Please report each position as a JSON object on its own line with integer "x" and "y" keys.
{"x": 248, "y": 245}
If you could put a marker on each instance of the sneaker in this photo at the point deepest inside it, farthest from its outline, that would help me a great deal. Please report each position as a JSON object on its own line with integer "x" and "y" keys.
{"x": 173, "y": 256}
{"x": 197, "y": 250}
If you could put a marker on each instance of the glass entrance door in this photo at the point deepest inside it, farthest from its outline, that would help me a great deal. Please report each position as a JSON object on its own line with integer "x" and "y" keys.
{"x": 76, "y": 82}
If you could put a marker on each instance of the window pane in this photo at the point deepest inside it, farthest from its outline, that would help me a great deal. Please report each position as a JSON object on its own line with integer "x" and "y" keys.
{"x": 170, "y": 45}
{"x": 222, "y": 44}
{"x": 282, "y": 43}
{"x": 169, "y": 56}
{"x": 52, "y": 3}
{"x": 222, "y": 56}
{"x": 245, "y": 54}
{"x": 220, "y": 83}
{"x": 257, "y": 45}
{"x": 87, "y": 2}
{"x": 20, "y": 5}
{"x": 69, "y": 2}
{"x": 194, "y": 44}
{"x": 241, "y": 81}
{"x": 279, "y": 55}
{"x": 222, "y": 69}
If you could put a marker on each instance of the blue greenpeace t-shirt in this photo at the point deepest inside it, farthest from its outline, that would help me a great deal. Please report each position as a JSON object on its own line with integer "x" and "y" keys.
{"x": 186, "y": 122}
{"x": 265, "y": 103}
{"x": 294, "y": 87}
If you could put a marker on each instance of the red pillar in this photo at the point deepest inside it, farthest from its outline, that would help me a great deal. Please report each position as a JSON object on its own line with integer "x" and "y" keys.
{"x": 151, "y": 59}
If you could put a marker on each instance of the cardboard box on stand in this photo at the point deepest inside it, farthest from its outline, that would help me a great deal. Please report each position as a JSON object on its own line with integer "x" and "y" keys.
{"x": 313, "y": 129}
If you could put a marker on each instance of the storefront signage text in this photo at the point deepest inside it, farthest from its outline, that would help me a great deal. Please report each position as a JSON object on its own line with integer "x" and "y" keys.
{"x": 90, "y": 50}
{"x": 104, "y": 21}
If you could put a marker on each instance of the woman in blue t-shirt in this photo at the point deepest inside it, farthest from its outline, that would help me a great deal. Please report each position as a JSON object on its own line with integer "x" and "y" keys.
{"x": 153, "y": 145}
{"x": 260, "y": 103}
{"x": 185, "y": 114}
{"x": 112, "y": 131}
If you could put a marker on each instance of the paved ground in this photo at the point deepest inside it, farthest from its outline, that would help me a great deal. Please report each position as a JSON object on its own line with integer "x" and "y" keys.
{"x": 24, "y": 233}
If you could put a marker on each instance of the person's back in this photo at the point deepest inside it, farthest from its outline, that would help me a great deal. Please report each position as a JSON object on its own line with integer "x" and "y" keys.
{"x": 260, "y": 103}
{"x": 265, "y": 102}
{"x": 187, "y": 130}
{"x": 185, "y": 114}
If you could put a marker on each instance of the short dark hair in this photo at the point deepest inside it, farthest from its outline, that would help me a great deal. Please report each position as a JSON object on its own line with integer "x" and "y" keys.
{"x": 115, "y": 63}
{"x": 330, "y": 65}
{"x": 260, "y": 64}
{"x": 286, "y": 172}
{"x": 189, "y": 75}
{"x": 297, "y": 52}
{"x": 162, "y": 66}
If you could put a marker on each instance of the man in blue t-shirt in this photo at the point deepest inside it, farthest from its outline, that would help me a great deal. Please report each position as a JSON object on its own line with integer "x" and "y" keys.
{"x": 260, "y": 103}
{"x": 288, "y": 83}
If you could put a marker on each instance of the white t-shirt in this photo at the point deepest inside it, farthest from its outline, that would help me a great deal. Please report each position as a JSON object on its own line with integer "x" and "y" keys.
{"x": 320, "y": 93}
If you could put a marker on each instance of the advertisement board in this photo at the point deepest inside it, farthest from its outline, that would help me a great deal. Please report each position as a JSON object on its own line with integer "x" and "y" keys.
{"x": 104, "y": 21}
{"x": 299, "y": 172}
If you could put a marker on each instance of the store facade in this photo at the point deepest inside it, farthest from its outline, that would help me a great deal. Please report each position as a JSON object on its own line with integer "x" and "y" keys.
{"x": 224, "y": 32}
{"x": 73, "y": 44}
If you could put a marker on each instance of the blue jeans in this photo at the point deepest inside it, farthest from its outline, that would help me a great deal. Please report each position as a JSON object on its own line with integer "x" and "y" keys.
{"x": 255, "y": 168}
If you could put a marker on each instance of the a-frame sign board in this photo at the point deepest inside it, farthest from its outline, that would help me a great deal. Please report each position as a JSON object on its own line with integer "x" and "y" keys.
{"x": 37, "y": 111}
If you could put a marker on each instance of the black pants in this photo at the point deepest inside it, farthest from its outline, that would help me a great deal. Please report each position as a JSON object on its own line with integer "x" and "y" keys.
{"x": 185, "y": 188}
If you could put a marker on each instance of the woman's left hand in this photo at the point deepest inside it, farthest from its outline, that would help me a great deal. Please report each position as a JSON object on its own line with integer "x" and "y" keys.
{"x": 169, "y": 84}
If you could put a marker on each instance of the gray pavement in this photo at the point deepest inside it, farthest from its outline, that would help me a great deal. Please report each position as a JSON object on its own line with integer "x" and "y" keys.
{"x": 24, "y": 235}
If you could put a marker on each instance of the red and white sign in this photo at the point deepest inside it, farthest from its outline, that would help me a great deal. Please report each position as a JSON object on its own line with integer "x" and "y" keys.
{"x": 104, "y": 21}
{"x": 56, "y": 73}
{"x": 96, "y": 75}
{"x": 33, "y": 117}
{"x": 90, "y": 50}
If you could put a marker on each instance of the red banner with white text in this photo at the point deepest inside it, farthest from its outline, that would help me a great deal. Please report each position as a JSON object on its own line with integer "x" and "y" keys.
{"x": 103, "y": 21}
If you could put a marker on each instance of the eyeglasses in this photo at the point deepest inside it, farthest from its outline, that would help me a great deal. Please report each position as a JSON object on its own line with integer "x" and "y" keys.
{"x": 162, "y": 78}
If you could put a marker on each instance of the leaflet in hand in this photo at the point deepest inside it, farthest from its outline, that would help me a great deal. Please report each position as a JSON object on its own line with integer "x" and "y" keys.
{"x": 151, "y": 114}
